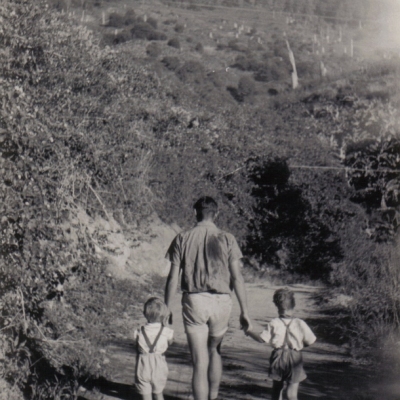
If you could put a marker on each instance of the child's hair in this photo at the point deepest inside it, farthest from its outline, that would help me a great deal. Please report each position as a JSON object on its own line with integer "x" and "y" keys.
{"x": 284, "y": 299}
{"x": 155, "y": 310}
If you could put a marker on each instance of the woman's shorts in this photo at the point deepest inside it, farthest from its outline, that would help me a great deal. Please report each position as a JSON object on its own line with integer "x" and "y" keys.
{"x": 286, "y": 365}
{"x": 151, "y": 373}
{"x": 206, "y": 312}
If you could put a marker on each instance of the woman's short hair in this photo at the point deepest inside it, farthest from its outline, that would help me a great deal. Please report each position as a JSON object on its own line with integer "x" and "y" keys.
{"x": 155, "y": 310}
{"x": 284, "y": 299}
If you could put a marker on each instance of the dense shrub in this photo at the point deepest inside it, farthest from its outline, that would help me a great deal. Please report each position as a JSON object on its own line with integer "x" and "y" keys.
{"x": 63, "y": 166}
{"x": 199, "y": 47}
{"x": 246, "y": 86}
{"x": 179, "y": 28}
{"x": 192, "y": 72}
{"x": 174, "y": 42}
{"x": 170, "y": 21}
{"x": 117, "y": 38}
{"x": 218, "y": 78}
{"x": 116, "y": 20}
{"x": 152, "y": 22}
{"x": 172, "y": 63}
{"x": 308, "y": 70}
{"x": 142, "y": 30}
{"x": 247, "y": 63}
{"x": 271, "y": 71}
{"x": 236, "y": 45}
{"x": 286, "y": 232}
{"x": 153, "y": 50}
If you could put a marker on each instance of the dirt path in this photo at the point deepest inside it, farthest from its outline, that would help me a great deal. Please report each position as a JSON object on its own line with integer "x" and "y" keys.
{"x": 331, "y": 375}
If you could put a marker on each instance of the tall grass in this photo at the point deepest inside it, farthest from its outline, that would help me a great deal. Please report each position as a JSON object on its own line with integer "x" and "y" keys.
{"x": 371, "y": 277}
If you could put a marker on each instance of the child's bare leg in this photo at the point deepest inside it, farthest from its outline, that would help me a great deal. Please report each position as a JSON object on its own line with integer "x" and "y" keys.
{"x": 292, "y": 390}
{"x": 158, "y": 396}
{"x": 277, "y": 390}
{"x": 147, "y": 397}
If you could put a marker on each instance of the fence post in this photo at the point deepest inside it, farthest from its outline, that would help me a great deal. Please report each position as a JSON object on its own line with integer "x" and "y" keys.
{"x": 351, "y": 48}
{"x": 295, "y": 79}
{"x": 103, "y": 17}
{"x": 323, "y": 69}
{"x": 340, "y": 34}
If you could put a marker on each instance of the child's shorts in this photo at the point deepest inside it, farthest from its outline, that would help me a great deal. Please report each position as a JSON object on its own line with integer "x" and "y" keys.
{"x": 286, "y": 365}
{"x": 151, "y": 373}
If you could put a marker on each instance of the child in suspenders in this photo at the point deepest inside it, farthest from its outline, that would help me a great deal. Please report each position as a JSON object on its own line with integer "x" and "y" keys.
{"x": 287, "y": 336}
{"x": 152, "y": 340}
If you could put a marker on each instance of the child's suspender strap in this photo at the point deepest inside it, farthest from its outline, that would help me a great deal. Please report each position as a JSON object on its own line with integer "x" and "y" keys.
{"x": 286, "y": 340}
{"x": 150, "y": 345}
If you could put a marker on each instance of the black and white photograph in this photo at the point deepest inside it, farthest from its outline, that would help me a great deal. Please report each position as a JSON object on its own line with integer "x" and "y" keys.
{"x": 199, "y": 199}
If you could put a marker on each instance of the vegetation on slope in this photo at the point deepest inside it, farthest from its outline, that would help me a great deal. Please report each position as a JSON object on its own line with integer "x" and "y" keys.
{"x": 84, "y": 129}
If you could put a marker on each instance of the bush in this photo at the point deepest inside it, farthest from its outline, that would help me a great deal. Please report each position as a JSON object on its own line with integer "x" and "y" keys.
{"x": 130, "y": 17}
{"x": 235, "y": 45}
{"x": 172, "y": 63}
{"x": 283, "y": 213}
{"x": 142, "y": 30}
{"x": 270, "y": 71}
{"x": 118, "y": 38}
{"x": 218, "y": 78}
{"x": 199, "y": 47}
{"x": 170, "y": 21}
{"x": 53, "y": 286}
{"x": 179, "y": 28}
{"x": 116, "y": 20}
{"x": 153, "y": 50}
{"x": 246, "y": 86}
{"x": 192, "y": 71}
{"x": 247, "y": 63}
{"x": 174, "y": 42}
{"x": 152, "y": 22}
{"x": 308, "y": 70}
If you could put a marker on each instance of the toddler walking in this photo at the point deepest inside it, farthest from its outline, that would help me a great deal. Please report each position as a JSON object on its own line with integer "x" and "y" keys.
{"x": 152, "y": 341}
{"x": 287, "y": 335}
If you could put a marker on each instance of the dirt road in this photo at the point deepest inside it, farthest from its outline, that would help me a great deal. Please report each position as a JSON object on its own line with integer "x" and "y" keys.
{"x": 331, "y": 375}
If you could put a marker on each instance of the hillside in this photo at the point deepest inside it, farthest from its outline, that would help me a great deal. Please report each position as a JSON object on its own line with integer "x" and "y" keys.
{"x": 115, "y": 118}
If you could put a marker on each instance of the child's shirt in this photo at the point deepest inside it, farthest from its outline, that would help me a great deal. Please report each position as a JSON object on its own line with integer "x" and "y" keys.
{"x": 152, "y": 330}
{"x": 299, "y": 333}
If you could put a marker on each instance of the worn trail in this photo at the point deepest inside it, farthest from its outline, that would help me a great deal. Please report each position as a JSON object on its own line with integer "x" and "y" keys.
{"x": 331, "y": 375}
